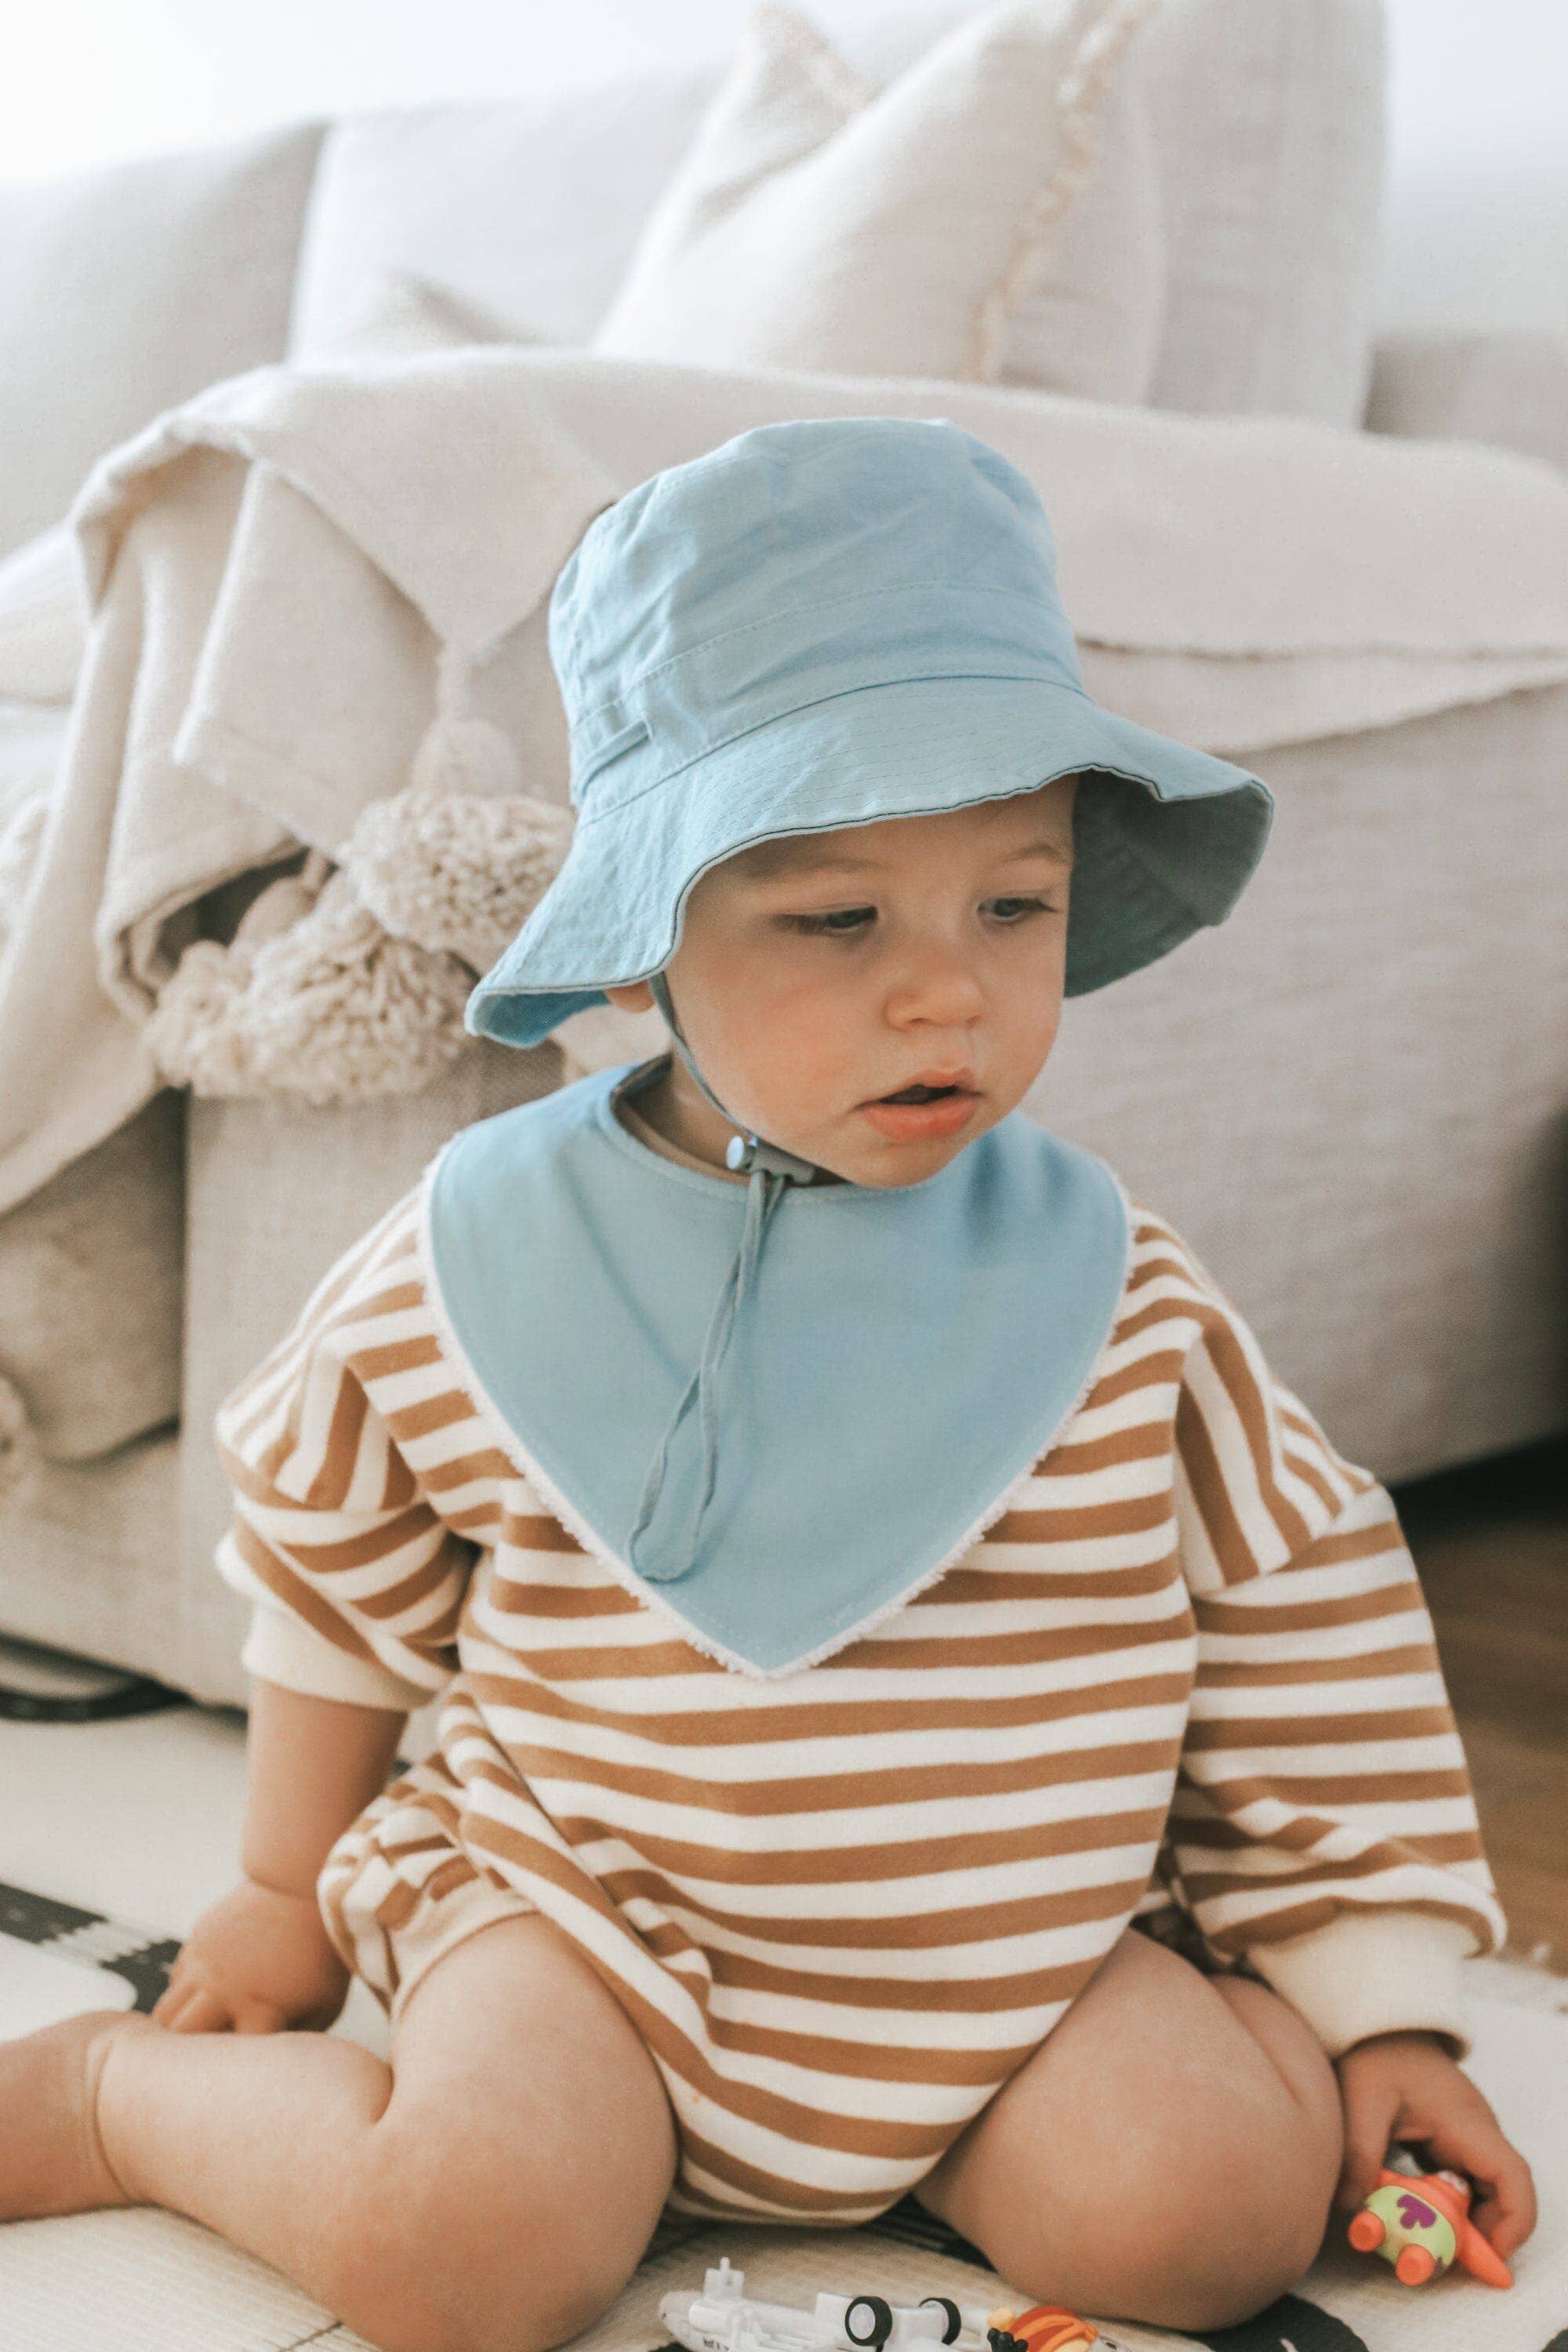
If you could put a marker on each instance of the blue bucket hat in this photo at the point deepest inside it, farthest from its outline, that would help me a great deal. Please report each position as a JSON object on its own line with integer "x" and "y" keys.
{"x": 820, "y": 623}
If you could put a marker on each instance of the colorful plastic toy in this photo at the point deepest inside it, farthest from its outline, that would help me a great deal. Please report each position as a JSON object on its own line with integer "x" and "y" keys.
{"x": 723, "y": 2318}
{"x": 1420, "y": 2222}
{"x": 1043, "y": 2327}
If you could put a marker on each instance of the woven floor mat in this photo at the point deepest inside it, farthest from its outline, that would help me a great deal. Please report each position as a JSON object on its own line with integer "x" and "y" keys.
{"x": 146, "y": 2281}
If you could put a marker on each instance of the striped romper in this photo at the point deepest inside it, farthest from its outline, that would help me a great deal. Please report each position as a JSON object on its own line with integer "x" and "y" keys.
{"x": 1187, "y": 1678}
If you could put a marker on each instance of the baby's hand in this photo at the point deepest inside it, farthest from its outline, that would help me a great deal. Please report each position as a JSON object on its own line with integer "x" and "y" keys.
{"x": 257, "y": 1962}
{"x": 1405, "y": 2086}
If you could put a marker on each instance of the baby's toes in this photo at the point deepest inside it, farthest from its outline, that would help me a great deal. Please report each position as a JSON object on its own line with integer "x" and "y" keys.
{"x": 51, "y": 2159}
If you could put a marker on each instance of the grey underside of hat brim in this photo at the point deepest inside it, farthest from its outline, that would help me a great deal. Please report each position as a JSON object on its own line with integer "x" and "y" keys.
{"x": 1166, "y": 837}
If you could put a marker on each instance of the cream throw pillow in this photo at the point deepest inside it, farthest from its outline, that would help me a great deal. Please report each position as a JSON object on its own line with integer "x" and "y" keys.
{"x": 400, "y": 317}
{"x": 918, "y": 230}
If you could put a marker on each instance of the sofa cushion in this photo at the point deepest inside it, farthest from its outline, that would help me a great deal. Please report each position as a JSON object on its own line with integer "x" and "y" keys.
{"x": 89, "y": 1567}
{"x": 528, "y": 212}
{"x": 128, "y": 288}
{"x": 1507, "y": 388}
{"x": 91, "y": 1285}
{"x": 401, "y": 316}
{"x": 917, "y": 229}
{"x": 1267, "y": 123}
{"x": 1349, "y": 1098}
{"x": 524, "y": 209}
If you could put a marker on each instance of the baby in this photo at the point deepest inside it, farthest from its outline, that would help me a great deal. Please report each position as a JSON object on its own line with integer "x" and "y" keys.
{"x": 923, "y": 1709}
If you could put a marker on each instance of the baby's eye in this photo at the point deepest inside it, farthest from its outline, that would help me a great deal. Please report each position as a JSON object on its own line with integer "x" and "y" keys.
{"x": 846, "y": 922}
{"x": 1029, "y": 906}
{"x": 826, "y": 925}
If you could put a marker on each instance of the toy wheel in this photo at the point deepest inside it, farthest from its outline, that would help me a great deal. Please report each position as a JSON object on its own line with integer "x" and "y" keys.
{"x": 951, "y": 2314}
{"x": 868, "y": 2320}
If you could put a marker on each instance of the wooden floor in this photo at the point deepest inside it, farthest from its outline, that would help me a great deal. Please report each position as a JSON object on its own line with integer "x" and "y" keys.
{"x": 1490, "y": 1543}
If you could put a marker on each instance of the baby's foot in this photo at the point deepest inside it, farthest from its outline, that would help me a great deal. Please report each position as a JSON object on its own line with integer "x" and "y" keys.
{"x": 51, "y": 2157}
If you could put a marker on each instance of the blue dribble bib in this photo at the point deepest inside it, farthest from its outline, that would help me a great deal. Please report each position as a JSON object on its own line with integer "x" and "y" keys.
{"x": 904, "y": 1355}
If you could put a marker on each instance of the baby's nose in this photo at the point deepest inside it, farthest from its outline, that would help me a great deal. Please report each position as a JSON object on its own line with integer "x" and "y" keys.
{"x": 937, "y": 982}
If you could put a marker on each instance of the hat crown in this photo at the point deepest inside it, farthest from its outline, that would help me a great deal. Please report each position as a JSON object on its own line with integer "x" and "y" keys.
{"x": 795, "y": 562}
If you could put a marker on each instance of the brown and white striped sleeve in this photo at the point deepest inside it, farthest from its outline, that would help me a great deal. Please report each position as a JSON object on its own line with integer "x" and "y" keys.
{"x": 356, "y": 1580}
{"x": 1324, "y": 1825}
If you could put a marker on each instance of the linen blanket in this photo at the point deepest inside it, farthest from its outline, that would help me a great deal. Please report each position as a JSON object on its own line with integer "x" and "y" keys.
{"x": 309, "y": 585}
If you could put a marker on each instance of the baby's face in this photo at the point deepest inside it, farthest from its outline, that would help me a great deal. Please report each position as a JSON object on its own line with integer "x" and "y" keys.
{"x": 818, "y": 972}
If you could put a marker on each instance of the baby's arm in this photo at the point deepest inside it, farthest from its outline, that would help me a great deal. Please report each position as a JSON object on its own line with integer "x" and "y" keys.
{"x": 311, "y": 1764}
{"x": 357, "y": 1583}
{"x": 260, "y": 1959}
{"x": 1324, "y": 1827}
{"x": 357, "y": 1579}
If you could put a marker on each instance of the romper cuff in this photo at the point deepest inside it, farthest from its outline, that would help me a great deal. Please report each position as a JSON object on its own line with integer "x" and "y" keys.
{"x": 280, "y": 1649}
{"x": 1373, "y": 1972}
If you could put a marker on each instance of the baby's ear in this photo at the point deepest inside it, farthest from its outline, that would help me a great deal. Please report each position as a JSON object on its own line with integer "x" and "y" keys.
{"x": 633, "y": 996}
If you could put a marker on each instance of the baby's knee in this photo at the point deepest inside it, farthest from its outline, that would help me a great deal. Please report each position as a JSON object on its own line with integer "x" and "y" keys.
{"x": 1221, "y": 2263}
{"x": 434, "y": 2260}
{"x": 1193, "y": 2217}
{"x": 1236, "y": 2215}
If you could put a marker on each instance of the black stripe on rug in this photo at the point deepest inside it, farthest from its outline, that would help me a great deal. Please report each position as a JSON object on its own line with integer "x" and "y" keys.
{"x": 69, "y": 1933}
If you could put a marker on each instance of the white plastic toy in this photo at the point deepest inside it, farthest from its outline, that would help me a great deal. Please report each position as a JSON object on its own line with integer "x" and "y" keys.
{"x": 722, "y": 2318}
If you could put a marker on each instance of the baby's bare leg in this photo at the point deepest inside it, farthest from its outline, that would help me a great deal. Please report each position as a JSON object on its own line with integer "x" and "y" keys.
{"x": 1168, "y": 2155}
{"x": 491, "y": 2191}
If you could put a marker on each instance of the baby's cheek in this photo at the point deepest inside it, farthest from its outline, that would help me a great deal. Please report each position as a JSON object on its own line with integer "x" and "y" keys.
{"x": 806, "y": 1053}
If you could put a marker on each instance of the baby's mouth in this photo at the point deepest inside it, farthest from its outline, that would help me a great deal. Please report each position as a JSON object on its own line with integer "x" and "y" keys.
{"x": 923, "y": 1111}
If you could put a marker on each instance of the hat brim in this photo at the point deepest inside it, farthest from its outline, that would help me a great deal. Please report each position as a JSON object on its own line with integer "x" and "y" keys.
{"x": 1164, "y": 844}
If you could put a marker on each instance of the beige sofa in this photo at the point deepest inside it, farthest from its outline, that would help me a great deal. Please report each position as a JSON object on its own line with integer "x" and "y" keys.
{"x": 1353, "y": 1099}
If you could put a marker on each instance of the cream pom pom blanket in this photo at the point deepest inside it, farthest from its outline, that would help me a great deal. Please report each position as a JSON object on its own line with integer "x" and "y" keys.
{"x": 316, "y": 598}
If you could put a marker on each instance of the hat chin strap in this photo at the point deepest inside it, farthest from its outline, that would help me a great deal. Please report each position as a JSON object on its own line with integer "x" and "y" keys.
{"x": 744, "y": 1150}
{"x": 770, "y": 1171}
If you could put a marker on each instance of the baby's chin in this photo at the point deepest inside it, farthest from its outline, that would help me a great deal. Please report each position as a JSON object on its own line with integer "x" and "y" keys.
{"x": 885, "y": 1162}
{"x": 907, "y": 1167}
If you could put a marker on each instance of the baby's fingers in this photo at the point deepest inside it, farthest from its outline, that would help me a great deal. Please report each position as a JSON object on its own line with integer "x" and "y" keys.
{"x": 258, "y": 2017}
{"x": 1369, "y": 2113}
{"x": 1504, "y": 2210}
{"x": 200, "y": 2010}
{"x": 173, "y": 1998}
{"x": 173, "y": 2001}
